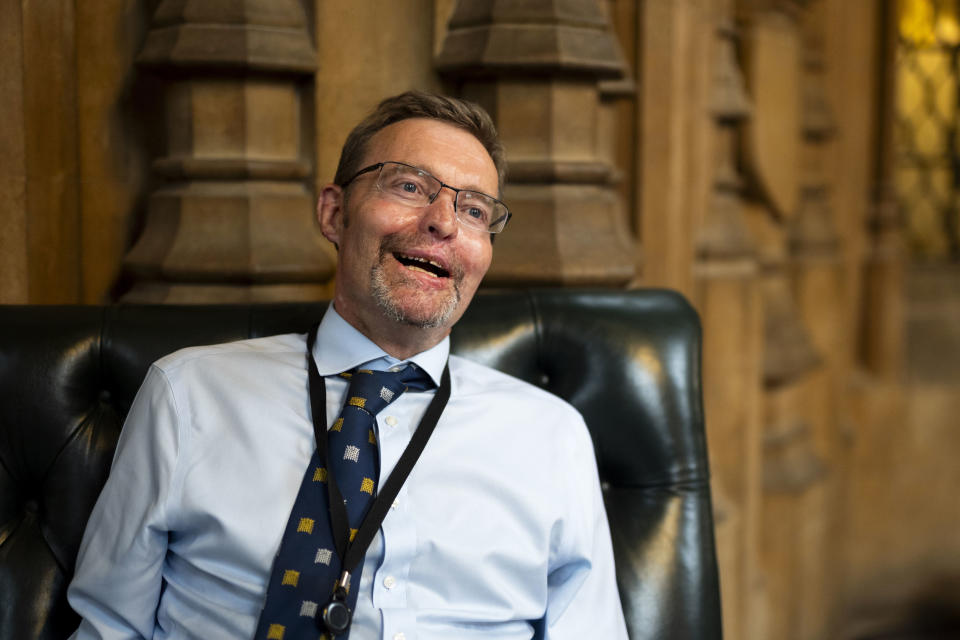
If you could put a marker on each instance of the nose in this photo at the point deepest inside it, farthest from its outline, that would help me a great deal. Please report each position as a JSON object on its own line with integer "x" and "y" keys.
{"x": 440, "y": 216}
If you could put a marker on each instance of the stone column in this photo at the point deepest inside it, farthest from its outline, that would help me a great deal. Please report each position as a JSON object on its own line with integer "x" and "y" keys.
{"x": 790, "y": 462}
{"x": 535, "y": 68}
{"x": 232, "y": 219}
{"x": 792, "y": 466}
{"x": 818, "y": 282}
{"x": 727, "y": 296}
{"x": 674, "y": 174}
{"x": 40, "y": 258}
{"x": 881, "y": 348}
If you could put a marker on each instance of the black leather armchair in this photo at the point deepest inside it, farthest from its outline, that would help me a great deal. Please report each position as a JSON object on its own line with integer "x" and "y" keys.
{"x": 630, "y": 362}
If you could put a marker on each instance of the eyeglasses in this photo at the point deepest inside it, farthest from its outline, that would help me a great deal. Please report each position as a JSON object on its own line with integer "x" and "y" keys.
{"x": 415, "y": 187}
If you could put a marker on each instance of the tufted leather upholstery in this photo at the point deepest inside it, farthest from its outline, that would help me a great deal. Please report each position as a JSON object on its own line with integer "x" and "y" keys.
{"x": 630, "y": 362}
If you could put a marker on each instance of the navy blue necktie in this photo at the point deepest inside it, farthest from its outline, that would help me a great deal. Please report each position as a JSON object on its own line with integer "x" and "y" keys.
{"x": 307, "y": 567}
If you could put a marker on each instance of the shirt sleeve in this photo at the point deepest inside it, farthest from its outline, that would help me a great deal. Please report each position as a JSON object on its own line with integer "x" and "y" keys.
{"x": 117, "y": 584}
{"x": 582, "y": 596}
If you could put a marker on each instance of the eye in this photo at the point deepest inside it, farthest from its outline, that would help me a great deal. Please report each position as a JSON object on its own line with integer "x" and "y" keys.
{"x": 407, "y": 185}
{"x": 475, "y": 207}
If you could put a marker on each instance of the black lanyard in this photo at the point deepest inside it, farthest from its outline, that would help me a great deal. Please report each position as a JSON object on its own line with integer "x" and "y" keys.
{"x": 352, "y": 552}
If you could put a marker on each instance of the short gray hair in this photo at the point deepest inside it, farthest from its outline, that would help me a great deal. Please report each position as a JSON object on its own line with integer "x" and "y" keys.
{"x": 462, "y": 114}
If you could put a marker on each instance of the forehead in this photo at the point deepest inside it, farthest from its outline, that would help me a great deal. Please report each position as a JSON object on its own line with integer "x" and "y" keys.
{"x": 448, "y": 152}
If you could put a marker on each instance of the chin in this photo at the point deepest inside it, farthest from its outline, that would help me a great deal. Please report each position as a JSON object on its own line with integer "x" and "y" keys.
{"x": 416, "y": 308}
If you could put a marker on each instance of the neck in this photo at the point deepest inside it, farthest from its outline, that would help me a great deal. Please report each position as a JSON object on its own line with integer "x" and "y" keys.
{"x": 398, "y": 340}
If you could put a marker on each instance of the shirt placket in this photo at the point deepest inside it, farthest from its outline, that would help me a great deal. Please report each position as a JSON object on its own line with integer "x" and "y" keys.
{"x": 391, "y": 580}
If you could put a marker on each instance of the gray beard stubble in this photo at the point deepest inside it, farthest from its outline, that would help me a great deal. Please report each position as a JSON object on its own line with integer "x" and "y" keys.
{"x": 383, "y": 296}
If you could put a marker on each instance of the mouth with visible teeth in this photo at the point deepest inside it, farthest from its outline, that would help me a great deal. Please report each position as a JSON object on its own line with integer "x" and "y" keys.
{"x": 422, "y": 264}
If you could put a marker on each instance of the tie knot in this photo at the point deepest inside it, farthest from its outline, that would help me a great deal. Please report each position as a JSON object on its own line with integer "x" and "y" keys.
{"x": 372, "y": 390}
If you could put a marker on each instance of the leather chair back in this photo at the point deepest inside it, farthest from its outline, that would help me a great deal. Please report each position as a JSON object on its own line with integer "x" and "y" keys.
{"x": 629, "y": 361}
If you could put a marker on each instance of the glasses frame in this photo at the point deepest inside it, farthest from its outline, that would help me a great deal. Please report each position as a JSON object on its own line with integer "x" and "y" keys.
{"x": 456, "y": 191}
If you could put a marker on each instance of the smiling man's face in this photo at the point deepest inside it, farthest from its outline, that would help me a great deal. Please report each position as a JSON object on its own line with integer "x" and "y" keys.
{"x": 400, "y": 267}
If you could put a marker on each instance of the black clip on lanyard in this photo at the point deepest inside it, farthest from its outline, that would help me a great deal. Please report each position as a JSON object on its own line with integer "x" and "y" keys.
{"x": 336, "y": 615}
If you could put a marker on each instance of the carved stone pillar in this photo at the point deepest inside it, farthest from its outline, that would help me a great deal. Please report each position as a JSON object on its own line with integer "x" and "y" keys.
{"x": 792, "y": 465}
{"x": 727, "y": 296}
{"x": 881, "y": 348}
{"x": 817, "y": 273}
{"x": 40, "y": 177}
{"x": 792, "y": 471}
{"x": 612, "y": 122}
{"x": 617, "y": 122}
{"x": 535, "y": 67}
{"x": 233, "y": 218}
{"x": 674, "y": 171}
{"x": 882, "y": 341}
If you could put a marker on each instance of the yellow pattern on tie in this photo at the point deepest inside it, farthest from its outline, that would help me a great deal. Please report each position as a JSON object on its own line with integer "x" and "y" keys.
{"x": 357, "y": 401}
{"x": 305, "y": 526}
{"x": 337, "y": 425}
{"x": 291, "y": 577}
{"x": 276, "y": 632}
{"x": 320, "y": 475}
{"x": 372, "y": 437}
{"x": 366, "y": 486}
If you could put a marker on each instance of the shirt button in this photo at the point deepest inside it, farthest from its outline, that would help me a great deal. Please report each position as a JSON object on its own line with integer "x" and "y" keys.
{"x": 396, "y": 503}
{"x": 400, "y": 635}
{"x": 390, "y": 582}
{"x": 390, "y": 420}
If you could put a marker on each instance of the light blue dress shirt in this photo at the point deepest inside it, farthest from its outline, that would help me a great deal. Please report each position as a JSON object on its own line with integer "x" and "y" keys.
{"x": 500, "y": 524}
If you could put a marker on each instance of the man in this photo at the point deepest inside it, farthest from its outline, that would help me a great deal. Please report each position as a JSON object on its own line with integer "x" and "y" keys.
{"x": 499, "y": 529}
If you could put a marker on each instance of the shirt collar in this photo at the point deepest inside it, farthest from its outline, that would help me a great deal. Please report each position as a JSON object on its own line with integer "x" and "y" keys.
{"x": 340, "y": 347}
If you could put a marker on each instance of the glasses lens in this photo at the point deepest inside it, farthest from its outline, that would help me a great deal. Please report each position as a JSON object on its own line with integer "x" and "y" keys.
{"x": 407, "y": 184}
{"x": 417, "y": 188}
{"x": 479, "y": 211}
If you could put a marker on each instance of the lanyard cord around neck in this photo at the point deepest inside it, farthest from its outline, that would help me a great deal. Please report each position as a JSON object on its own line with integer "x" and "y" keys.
{"x": 352, "y": 552}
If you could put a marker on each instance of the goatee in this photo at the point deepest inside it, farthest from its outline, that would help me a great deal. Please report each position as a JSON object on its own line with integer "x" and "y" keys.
{"x": 422, "y": 316}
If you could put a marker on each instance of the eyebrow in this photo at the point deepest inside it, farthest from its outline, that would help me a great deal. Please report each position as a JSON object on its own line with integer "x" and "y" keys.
{"x": 433, "y": 173}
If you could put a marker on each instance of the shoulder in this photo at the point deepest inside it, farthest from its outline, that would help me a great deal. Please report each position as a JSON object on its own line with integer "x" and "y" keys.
{"x": 477, "y": 382}
{"x": 549, "y": 432}
{"x": 270, "y": 347}
{"x": 257, "y": 358}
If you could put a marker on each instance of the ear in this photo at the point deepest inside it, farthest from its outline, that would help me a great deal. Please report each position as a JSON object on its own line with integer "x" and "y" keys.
{"x": 330, "y": 213}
